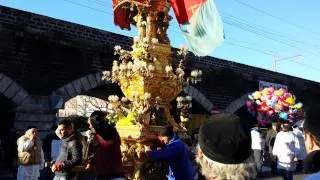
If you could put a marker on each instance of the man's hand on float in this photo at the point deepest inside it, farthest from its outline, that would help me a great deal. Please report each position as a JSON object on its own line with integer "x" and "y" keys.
{"x": 58, "y": 165}
{"x": 88, "y": 166}
{"x": 147, "y": 149}
{"x": 53, "y": 168}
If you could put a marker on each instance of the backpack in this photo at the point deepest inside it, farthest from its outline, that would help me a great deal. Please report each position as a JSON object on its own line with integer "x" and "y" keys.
{"x": 28, "y": 157}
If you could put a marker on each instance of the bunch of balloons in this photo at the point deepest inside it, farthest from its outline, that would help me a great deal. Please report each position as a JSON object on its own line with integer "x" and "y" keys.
{"x": 270, "y": 105}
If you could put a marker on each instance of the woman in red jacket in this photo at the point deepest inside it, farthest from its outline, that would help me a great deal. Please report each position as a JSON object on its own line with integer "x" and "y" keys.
{"x": 104, "y": 150}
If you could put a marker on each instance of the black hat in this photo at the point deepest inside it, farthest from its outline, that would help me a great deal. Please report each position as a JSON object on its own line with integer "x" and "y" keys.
{"x": 167, "y": 131}
{"x": 226, "y": 139}
{"x": 312, "y": 122}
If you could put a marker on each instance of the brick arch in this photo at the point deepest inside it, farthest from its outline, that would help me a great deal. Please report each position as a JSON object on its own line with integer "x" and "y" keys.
{"x": 236, "y": 104}
{"x": 10, "y": 89}
{"x": 80, "y": 85}
{"x": 199, "y": 97}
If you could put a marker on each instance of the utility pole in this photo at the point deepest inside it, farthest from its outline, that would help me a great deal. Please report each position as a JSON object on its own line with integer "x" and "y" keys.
{"x": 276, "y": 59}
{"x": 274, "y": 62}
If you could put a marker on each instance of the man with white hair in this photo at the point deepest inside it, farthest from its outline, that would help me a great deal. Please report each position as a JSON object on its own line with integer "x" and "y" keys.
{"x": 30, "y": 155}
{"x": 224, "y": 149}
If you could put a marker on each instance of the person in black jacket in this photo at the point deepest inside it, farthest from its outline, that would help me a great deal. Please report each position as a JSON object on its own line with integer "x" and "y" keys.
{"x": 270, "y": 139}
{"x": 51, "y": 146}
{"x": 70, "y": 153}
{"x": 11, "y": 150}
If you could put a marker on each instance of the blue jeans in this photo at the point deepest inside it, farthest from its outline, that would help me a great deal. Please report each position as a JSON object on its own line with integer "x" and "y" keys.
{"x": 285, "y": 174}
{"x": 257, "y": 154}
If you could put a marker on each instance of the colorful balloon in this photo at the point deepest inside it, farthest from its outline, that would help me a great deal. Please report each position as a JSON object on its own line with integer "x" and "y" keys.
{"x": 251, "y": 97}
{"x": 283, "y": 115}
{"x": 279, "y": 92}
{"x": 269, "y": 103}
{"x": 290, "y": 100}
{"x": 265, "y": 91}
{"x": 299, "y": 105}
{"x": 256, "y": 95}
{"x": 284, "y": 103}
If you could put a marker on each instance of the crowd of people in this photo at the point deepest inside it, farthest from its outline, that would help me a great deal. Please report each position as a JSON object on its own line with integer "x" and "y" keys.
{"x": 282, "y": 147}
{"x": 227, "y": 147}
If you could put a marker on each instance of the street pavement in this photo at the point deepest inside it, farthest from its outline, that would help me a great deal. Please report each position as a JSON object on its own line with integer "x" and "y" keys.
{"x": 266, "y": 175}
{"x": 295, "y": 177}
{"x": 6, "y": 175}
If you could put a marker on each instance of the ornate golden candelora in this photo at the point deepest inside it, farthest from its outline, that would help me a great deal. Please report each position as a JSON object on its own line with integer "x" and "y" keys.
{"x": 149, "y": 82}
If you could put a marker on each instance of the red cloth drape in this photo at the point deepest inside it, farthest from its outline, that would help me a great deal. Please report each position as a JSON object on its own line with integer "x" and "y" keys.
{"x": 184, "y": 9}
{"x": 120, "y": 16}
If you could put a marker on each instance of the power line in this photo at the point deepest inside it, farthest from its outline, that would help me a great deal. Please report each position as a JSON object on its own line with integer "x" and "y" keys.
{"x": 306, "y": 65}
{"x": 255, "y": 45}
{"x": 88, "y": 7}
{"x": 173, "y": 30}
{"x": 250, "y": 48}
{"x": 263, "y": 33}
{"x": 264, "y": 29}
{"x": 97, "y": 2}
{"x": 276, "y": 17}
{"x": 229, "y": 43}
{"x": 254, "y": 31}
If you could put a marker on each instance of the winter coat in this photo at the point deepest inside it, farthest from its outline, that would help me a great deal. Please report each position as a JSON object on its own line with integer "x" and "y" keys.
{"x": 70, "y": 154}
{"x": 48, "y": 145}
{"x": 105, "y": 156}
{"x": 176, "y": 155}
{"x": 311, "y": 163}
{"x": 270, "y": 139}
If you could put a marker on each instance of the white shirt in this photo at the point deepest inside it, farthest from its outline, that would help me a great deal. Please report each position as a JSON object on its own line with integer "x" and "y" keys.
{"x": 257, "y": 141}
{"x": 302, "y": 147}
{"x": 286, "y": 148}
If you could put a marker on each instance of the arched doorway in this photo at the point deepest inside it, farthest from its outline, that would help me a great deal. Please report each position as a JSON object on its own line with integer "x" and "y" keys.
{"x": 7, "y": 116}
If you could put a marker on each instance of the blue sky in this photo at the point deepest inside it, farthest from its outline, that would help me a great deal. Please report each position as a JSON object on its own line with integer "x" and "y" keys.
{"x": 256, "y": 31}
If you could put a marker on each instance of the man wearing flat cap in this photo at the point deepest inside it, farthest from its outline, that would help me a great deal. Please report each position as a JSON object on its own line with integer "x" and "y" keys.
{"x": 175, "y": 153}
{"x": 311, "y": 127}
{"x": 224, "y": 149}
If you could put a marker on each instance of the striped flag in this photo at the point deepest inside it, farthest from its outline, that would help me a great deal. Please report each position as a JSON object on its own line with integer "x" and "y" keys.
{"x": 200, "y": 23}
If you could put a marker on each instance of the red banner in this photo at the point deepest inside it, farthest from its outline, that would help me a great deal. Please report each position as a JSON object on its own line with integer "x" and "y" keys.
{"x": 184, "y": 9}
{"x": 120, "y": 15}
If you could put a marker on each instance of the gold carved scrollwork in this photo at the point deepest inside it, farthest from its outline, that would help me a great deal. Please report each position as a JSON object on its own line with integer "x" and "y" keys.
{"x": 158, "y": 85}
{"x": 137, "y": 163}
{"x": 147, "y": 79}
